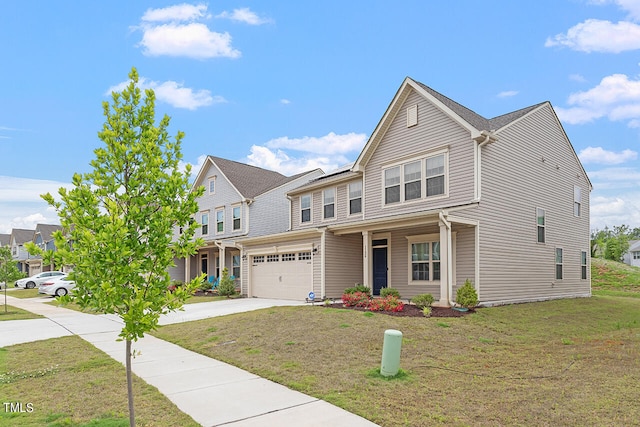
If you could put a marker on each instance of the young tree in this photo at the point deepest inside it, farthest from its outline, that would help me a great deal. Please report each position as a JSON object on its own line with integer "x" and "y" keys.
{"x": 8, "y": 271}
{"x": 119, "y": 220}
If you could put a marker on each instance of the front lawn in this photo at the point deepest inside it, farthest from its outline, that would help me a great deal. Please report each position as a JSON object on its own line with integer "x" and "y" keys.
{"x": 68, "y": 382}
{"x": 15, "y": 313}
{"x": 565, "y": 362}
{"x": 24, "y": 293}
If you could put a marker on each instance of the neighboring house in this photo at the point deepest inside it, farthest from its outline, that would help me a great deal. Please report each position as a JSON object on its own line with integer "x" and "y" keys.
{"x": 19, "y": 237}
{"x": 632, "y": 257}
{"x": 438, "y": 195}
{"x": 239, "y": 201}
{"x": 5, "y": 240}
{"x": 43, "y": 238}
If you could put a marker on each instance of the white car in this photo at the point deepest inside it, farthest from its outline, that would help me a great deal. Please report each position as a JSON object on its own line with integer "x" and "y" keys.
{"x": 58, "y": 286}
{"x": 36, "y": 280}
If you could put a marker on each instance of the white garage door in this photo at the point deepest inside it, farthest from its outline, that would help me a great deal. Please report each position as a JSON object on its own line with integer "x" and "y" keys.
{"x": 284, "y": 276}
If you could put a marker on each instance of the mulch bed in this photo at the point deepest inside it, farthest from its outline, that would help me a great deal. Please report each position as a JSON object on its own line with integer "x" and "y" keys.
{"x": 409, "y": 310}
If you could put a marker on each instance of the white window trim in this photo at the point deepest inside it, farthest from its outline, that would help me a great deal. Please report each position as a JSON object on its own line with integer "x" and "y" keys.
{"x": 216, "y": 220}
{"x": 422, "y": 238}
{"x": 556, "y": 263}
{"x": 585, "y": 265}
{"x": 423, "y": 187}
{"x": 335, "y": 204}
{"x": 208, "y": 214}
{"x": 233, "y": 218}
{"x": 577, "y": 199}
{"x": 349, "y": 199}
{"x": 310, "y": 209}
{"x": 544, "y": 226}
{"x": 215, "y": 185}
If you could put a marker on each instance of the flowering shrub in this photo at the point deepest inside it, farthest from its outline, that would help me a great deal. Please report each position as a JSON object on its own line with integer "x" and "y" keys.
{"x": 356, "y": 299}
{"x": 388, "y": 303}
{"x": 361, "y": 299}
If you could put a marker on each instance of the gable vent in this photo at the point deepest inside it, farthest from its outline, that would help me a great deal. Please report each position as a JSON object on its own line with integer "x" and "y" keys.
{"x": 412, "y": 115}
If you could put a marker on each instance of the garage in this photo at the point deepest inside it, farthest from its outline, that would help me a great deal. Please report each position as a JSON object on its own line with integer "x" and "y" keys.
{"x": 282, "y": 275}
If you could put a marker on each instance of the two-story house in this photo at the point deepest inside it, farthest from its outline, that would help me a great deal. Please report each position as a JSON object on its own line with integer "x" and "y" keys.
{"x": 43, "y": 238}
{"x": 20, "y": 236}
{"x": 5, "y": 240}
{"x": 239, "y": 201}
{"x": 438, "y": 195}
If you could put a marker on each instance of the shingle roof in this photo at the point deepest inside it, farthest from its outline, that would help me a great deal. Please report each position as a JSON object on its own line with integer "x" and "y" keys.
{"x": 475, "y": 119}
{"x": 251, "y": 181}
{"x": 21, "y": 235}
{"x": 46, "y": 230}
{"x": 5, "y": 239}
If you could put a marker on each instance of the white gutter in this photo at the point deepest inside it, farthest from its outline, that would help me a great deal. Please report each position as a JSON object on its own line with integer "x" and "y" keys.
{"x": 447, "y": 224}
{"x": 489, "y": 137}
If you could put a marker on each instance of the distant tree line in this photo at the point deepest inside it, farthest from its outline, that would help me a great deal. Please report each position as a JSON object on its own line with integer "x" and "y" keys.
{"x": 612, "y": 243}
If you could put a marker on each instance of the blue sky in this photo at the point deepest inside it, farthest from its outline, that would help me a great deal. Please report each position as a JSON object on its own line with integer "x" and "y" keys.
{"x": 296, "y": 85}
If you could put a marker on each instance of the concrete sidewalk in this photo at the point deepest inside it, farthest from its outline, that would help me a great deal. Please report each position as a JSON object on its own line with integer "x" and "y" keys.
{"x": 212, "y": 392}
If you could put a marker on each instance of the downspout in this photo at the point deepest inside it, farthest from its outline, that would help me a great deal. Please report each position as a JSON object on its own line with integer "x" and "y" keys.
{"x": 488, "y": 138}
{"x": 447, "y": 224}
{"x": 289, "y": 201}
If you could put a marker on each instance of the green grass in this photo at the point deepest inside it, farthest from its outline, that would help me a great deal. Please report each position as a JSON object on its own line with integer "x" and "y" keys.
{"x": 23, "y": 293}
{"x": 15, "y": 313}
{"x": 563, "y": 362}
{"x": 68, "y": 382}
{"x": 610, "y": 277}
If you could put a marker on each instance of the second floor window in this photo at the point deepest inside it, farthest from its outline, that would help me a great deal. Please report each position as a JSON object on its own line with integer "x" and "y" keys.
{"x": 403, "y": 183}
{"x": 329, "y": 205}
{"x": 204, "y": 221}
{"x": 577, "y": 200}
{"x": 392, "y": 185}
{"x": 237, "y": 223}
{"x": 435, "y": 175}
{"x": 220, "y": 221}
{"x": 559, "y": 264}
{"x": 412, "y": 180}
{"x": 355, "y": 197}
{"x": 305, "y": 208}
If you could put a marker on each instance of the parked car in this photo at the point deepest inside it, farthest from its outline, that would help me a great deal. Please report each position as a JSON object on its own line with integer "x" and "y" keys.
{"x": 36, "y": 280}
{"x": 58, "y": 286}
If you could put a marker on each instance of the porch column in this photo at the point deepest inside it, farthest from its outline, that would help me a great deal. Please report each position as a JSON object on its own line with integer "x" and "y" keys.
{"x": 187, "y": 268}
{"x": 444, "y": 263}
{"x": 366, "y": 264}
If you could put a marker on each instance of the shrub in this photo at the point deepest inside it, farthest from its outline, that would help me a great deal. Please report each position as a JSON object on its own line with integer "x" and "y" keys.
{"x": 466, "y": 296}
{"x": 358, "y": 288}
{"x": 426, "y": 311}
{"x": 388, "y": 303}
{"x": 355, "y": 299}
{"x": 423, "y": 300}
{"x": 227, "y": 286}
{"x": 384, "y": 292}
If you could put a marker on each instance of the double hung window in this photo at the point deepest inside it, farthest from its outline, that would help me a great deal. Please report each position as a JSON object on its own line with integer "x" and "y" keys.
{"x": 355, "y": 197}
{"x": 329, "y": 203}
{"x": 403, "y": 183}
{"x": 305, "y": 208}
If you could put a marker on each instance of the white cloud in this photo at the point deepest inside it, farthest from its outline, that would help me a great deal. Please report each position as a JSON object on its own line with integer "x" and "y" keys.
{"x": 244, "y": 15}
{"x": 328, "y": 144}
{"x": 180, "y": 12}
{"x": 577, "y": 78}
{"x": 594, "y": 35}
{"x": 508, "y": 93}
{"x": 281, "y": 162}
{"x": 608, "y": 211}
{"x": 21, "y": 205}
{"x": 174, "y": 94}
{"x": 632, "y": 7}
{"x": 195, "y": 167}
{"x": 194, "y": 40}
{"x": 602, "y": 156}
{"x": 285, "y": 101}
{"x": 616, "y": 97}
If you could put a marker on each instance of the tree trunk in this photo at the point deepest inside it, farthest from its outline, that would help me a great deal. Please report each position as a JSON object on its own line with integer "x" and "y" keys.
{"x": 132, "y": 418}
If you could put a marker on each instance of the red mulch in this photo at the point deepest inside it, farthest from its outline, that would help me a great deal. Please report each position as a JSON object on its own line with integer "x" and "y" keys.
{"x": 410, "y": 310}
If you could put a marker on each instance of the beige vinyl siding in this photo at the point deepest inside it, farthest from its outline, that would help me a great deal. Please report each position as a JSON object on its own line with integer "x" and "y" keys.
{"x": 435, "y": 130}
{"x": 516, "y": 180}
{"x": 343, "y": 258}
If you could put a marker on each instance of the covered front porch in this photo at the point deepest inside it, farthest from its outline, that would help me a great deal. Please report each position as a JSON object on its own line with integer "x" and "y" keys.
{"x": 211, "y": 260}
{"x": 429, "y": 253}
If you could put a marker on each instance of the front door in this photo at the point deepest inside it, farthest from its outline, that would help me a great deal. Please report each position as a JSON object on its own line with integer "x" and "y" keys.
{"x": 379, "y": 269}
